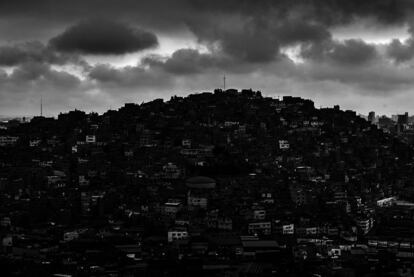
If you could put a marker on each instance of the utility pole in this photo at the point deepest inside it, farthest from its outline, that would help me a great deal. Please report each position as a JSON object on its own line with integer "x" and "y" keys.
{"x": 224, "y": 82}
{"x": 41, "y": 105}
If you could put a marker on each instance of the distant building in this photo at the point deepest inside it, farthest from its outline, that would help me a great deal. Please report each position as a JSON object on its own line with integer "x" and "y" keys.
{"x": 385, "y": 122}
{"x": 402, "y": 118}
{"x": 8, "y": 140}
{"x": 371, "y": 117}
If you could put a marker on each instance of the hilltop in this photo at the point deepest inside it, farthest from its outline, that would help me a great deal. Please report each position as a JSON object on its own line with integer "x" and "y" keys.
{"x": 231, "y": 132}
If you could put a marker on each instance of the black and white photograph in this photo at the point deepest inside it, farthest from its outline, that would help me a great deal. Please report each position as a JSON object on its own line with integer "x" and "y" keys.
{"x": 235, "y": 138}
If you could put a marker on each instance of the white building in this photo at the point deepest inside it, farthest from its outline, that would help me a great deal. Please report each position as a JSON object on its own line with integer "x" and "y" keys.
{"x": 177, "y": 234}
{"x": 90, "y": 139}
{"x": 386, "y": 202}
{"x": 288, "y": 229}
{"x": 172, "y": 207}
{"x": 284, "y": 144}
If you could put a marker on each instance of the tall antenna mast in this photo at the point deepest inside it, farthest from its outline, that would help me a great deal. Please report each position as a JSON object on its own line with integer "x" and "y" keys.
{"x": 41, "y": 105}
{"x": 224, "y": 82}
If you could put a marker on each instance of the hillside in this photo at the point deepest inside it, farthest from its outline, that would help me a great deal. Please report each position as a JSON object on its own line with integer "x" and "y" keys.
{"x": 208, "y": 170}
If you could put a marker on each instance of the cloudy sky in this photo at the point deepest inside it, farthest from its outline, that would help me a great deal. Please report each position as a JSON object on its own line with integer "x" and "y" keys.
{"x": 98, "y": 54}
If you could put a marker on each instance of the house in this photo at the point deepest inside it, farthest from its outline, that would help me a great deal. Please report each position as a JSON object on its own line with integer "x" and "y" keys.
{"x": 34, "y": 142}
{"x": 172, "y": 207}
{"x": 225, "y": 223}
{"x": 171, "y": 171}
{"x": 8, "y": 140}
{"x": 186, "y": 143}
{"x": 199, "y": 189}
{"x": 386, "y": 202}
{"x": 90, "y": 139}
{"x": 284, "y": 144}
{"x": 196, "y": 200}
{"x": 72, "y": 235}
{"x": 264, "y": 228}
{"x": 364, "y": 224}
{"x": 288, "y": 229}
{"x": 284, "y": 228}
{"x": 177, "y": 233}
{"x": 267, "y": 198}
{"x": 259, "y": 214}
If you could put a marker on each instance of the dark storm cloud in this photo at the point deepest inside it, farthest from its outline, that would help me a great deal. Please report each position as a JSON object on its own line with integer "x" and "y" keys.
{"x": 33, "y": 73}
{"x": 20, "y": 90}
{"x": 349, "y": 52}
{"x": 189, "y": 62}
{"x": 257, "y": 39}
{"x": 328, "y": 10}
{"x": 377, "y": 79}
{"x": 249, "y": 30}
{"x": 34, "y": 77}
{"x": 243, "y": 38}
{"x": 201, "y": 15}
{"x": 185, "y": 61}
{"x": 102, "y": 36}
{"x": 387, "y": 10}
{"x": 401, "y": 52}
{"x": 254, "y": 42}
{"x": 33, "y": 51}
{"x": 354, "y": 52}
{"x": 299, "y": 31}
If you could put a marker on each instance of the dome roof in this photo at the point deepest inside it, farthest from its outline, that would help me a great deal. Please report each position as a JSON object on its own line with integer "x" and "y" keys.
{"x": 201, "y": 182}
